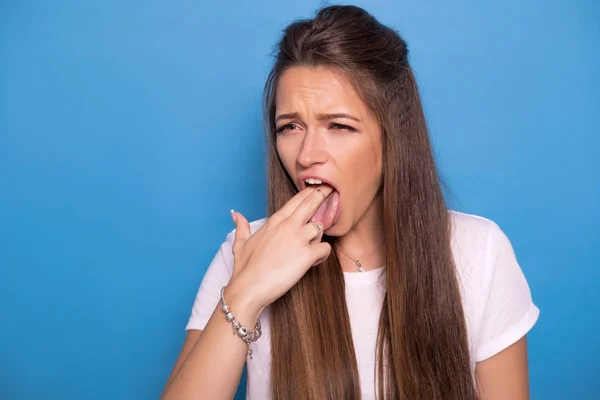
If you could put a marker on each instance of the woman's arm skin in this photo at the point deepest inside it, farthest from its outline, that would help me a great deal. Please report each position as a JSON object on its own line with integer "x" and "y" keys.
{"x": 211, "y": 362}
{"x": 266, "y": 265}
{"x": 505, "y": 376}
{"x": 190, "y": 340}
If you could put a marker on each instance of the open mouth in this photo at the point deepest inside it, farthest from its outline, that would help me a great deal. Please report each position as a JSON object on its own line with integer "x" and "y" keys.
{"x": 328, "y": 212}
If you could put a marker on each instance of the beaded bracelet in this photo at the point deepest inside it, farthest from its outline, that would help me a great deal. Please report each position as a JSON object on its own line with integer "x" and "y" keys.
{"x": 244, "y": 333}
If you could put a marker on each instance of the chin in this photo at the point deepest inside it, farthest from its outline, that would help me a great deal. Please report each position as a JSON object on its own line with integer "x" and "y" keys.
{"x": 337, "y": 230}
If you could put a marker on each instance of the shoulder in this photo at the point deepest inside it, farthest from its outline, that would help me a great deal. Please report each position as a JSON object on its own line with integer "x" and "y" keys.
{"x": 497, "y": 301}
{"x": 473, "y": 238}
{"x": 469, "y": 224}
{"x": 476, "y": 242}
{"x": 474, "y": 235}
{"x": 467, "y": 229}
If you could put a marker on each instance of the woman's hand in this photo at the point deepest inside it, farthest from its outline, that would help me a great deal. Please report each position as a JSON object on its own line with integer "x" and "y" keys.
{"x": 270, "y": 261}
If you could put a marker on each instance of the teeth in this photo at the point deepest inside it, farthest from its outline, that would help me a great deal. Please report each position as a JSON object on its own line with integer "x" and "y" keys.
{"x": 311, "y": 181}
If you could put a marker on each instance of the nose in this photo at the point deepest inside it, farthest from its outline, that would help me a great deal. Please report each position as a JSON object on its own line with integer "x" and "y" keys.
{"x": 313, "y": 150}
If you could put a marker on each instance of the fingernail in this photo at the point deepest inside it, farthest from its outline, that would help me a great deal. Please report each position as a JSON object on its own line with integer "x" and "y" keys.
{"x": 232, "y": 215}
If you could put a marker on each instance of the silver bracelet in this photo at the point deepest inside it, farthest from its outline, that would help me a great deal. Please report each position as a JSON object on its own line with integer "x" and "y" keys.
{"x": 244, "y": 333}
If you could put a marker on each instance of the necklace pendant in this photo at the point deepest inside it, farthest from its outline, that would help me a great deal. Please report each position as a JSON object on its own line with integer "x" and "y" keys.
{"x": 360, "y": 267}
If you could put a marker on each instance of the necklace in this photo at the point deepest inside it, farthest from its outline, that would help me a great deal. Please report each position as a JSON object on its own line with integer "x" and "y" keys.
{"x": 358, "y": 262}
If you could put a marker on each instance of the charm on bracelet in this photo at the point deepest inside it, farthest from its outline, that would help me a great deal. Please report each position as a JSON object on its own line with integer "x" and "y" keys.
{"x": 242, "y": 332}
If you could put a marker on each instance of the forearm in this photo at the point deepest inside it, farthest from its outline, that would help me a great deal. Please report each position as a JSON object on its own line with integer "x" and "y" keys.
{"x": 214, "y": 366}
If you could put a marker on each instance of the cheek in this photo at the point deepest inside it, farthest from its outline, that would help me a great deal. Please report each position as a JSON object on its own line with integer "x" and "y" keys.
{"x": 285, "y": 152}
{"x": 367, "y": 175}
{"x": 367, "y": 166}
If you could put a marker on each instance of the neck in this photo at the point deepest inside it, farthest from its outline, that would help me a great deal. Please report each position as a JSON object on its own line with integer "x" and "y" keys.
{"x": 364, "y": 242}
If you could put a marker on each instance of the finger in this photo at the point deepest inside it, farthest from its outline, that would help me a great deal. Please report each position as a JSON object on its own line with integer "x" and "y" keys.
{"x": 293, "y": 203}
{"x": 319, "y": 261}
{"x": 320, "y": 252}
{"x": 319, "y": 237}
{"x": 311, "y": 231}
{"x": 309, "y": 205}
{"x": 242, "y": 229}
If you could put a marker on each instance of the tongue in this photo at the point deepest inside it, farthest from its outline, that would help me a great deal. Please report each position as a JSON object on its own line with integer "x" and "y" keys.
{"x": 327, "y": 211}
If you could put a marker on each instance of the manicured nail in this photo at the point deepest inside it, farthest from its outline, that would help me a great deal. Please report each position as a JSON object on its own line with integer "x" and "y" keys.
{"x": 232, "y": 215}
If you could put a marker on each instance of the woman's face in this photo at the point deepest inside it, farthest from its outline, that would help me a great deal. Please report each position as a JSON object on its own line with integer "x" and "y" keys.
{"x": 326, "y": 132}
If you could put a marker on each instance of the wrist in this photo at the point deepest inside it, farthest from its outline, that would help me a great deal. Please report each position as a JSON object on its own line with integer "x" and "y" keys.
{"x": 241, "y": 301}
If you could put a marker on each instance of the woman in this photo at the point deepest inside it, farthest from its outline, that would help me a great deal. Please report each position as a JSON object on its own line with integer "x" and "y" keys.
{"x": 364, "y": 283}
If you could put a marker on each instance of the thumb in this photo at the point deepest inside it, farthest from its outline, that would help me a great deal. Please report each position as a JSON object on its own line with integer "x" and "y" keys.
{"x": 242, "y": 229}
{"x": 322, "y": 252}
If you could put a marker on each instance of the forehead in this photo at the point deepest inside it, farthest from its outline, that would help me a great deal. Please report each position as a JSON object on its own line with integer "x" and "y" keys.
{"x": 302, "y": 87}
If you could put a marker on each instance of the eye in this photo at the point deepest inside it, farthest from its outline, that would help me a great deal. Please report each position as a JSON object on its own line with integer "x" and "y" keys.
{"x": 341, "y": 127}
{"x": 286, "y": 127}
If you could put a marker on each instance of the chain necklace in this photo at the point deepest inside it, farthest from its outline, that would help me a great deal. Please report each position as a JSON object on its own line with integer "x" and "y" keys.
{"x": 358, "y": 262}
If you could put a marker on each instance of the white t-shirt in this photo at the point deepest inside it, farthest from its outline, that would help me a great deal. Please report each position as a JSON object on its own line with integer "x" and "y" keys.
{"x": 496, "y": 300}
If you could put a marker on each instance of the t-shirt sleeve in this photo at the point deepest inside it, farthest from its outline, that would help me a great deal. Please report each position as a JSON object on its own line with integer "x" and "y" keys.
{"x": 509, "y": 312}
{"x": 217, "y": 275}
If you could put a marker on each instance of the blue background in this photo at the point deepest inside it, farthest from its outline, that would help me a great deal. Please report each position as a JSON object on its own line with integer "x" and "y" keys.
{"x": 129, "y": 129}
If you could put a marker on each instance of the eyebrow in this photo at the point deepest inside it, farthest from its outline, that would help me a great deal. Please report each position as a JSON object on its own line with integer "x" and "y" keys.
{"x": 320, "y": 117}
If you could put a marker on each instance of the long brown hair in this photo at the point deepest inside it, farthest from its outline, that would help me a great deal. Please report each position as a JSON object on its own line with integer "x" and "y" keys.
{"x": 422, "y": 349}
